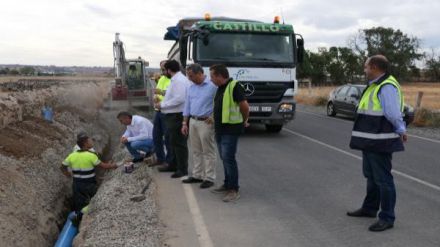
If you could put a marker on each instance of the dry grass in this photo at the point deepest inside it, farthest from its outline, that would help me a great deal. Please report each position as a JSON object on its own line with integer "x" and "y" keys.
{"x": 60, "y": 78}
{"x": 431, "y": 94}
{"x": 314, "y": 96}
{"x": 430, "y": 100}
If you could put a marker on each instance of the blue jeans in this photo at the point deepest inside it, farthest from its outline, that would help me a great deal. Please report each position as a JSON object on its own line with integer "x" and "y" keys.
{"x": 381, "y": 191}
{"x": 227, "y": 147}
{"x": 159, "y": 131}
{"x": 144, "y": 145}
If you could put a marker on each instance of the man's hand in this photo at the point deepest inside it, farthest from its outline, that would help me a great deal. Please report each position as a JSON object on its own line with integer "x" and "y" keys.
{"x": 159, "y": 91}
{"x": 404, "y": 137}
{"x": 156, "y": 99}
{"x": 109, "y": 165}
{"x": 124, "y": 139}
{"x": 157, "y": 106}
{"x": 184, "y": 129}
{"x": 246, "y": 123}
{"x": 65, "y": 171}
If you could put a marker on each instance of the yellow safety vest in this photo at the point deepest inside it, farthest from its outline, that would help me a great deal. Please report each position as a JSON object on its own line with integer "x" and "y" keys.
{"x": 82, "y": 164}
{"x": 371, "y": 130}
{"x": 162, "y": 84}
{"x": 231, "y": 110}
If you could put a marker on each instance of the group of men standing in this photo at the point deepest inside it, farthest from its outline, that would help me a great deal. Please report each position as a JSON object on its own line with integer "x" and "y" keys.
{"x": 213, "y": 111}
{"x": 210, "y": 111}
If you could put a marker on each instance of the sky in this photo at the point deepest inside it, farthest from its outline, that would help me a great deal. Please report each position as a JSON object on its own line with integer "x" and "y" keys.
{"x": 81, "y": 32}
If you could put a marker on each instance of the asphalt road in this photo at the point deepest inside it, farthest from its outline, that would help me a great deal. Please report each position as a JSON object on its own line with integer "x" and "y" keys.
{"x": 296, "y": 187}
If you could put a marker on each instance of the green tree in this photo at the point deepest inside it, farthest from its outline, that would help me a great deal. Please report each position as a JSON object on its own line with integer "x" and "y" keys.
{"x": 27, "y": 70}
{"x": 338, "y": 64}
{"x": 318, "y": 64}
{"x": 4, "y": 71}
{"x": 401, "y": 50}
{"x": 344, "y": 66}
{"x": 433, "y": 66}
{"x": 13, "y": 72}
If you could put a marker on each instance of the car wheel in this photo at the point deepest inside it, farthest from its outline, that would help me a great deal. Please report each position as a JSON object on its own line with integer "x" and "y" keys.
{"x": 331, "y": 110}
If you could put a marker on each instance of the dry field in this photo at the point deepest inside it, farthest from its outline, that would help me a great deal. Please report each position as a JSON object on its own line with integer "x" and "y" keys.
{"x": 60, "y": 78}
{"x": 431, "y": 94}
{"x": 430, "y": 100}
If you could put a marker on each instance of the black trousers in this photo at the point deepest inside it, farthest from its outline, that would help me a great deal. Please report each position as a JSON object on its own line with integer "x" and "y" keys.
{"x": 178, "y": 145}
{"x": 82, "y": 194}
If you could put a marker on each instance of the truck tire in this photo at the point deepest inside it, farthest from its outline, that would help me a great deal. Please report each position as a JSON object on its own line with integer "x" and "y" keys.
{"x": 274, "y": 128}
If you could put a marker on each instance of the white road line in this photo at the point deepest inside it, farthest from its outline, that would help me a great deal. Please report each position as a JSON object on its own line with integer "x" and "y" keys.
{"x": 201, "y": 229}
{"x": 326, "y": 117}
{"x": 348, "y": 121}
{"x": 424, "y": 138}
{"x": 432, "y": 186}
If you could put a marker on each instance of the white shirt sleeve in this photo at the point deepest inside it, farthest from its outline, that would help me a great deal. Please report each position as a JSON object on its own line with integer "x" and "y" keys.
{"x": 127, "y": 133}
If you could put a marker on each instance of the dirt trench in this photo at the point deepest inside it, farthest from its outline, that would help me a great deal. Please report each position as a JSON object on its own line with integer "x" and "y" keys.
{"x": 34, "y": 196}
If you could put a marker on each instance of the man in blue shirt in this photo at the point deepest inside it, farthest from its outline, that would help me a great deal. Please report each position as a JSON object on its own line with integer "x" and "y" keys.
{"x": 378, "y": 131}
{"x": 198, "y": 123}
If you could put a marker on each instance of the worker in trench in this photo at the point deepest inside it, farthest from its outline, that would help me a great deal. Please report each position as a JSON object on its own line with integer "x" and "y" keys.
{"x": 82, "y": 164}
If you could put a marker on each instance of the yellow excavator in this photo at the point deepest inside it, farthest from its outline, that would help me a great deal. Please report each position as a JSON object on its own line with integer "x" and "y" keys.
{"x": 131, "y": 84}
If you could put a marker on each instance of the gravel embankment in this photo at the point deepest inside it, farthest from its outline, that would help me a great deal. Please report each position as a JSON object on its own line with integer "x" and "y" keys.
{"x": 124, "y": 210}
{"x": 33, "y": 192}
{"x": 34, "y": 195}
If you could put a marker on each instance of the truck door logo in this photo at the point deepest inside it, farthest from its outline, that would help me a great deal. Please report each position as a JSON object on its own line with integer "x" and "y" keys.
{"x": 244, "y": 74}
{"x": 240, "y": 72}
{"x": 249, "y": 89}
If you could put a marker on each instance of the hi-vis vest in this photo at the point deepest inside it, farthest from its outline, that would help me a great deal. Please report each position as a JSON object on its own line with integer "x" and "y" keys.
{"x": 371, "y": 130}
{"x": 83, "y": 165}
{"x": 163, "y": 84}
{"x": 230, "y": 109}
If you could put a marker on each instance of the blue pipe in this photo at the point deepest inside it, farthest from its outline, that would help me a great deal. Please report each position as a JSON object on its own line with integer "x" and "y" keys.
{"x": 68, "y": 233}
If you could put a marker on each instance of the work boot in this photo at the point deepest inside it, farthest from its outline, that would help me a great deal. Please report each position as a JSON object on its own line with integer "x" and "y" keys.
{"x": 157, "y": 163}
{"x": 76, "y": 219}
{"x": 206, "y": 184}
{"x": 192, "y": 180}
{"x": 231, "y": 196}
{"x": 220, "y": 190}
{"x": 137, "y": 160}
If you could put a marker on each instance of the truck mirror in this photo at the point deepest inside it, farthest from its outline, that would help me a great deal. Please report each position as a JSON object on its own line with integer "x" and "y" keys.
{"x": 300, "y": 50}
{"x": 205, "y": 40}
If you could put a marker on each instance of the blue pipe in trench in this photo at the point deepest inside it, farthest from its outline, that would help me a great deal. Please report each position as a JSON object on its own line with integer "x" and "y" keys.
{"x": 68, "y": 233}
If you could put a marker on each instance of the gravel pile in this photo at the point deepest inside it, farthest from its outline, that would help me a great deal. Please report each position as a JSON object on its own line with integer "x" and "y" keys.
{"x": 34, "y": 195}
{"x": 123, "y": 212}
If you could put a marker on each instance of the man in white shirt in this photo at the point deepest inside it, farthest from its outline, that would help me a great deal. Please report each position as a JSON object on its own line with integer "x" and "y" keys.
{"x": 138, "y": 136}
{"x": 172, "y": 106}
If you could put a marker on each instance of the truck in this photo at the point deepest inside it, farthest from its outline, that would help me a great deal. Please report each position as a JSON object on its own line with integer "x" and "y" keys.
{"x": 131, "y": 85}
{"x": 263, "y": 57}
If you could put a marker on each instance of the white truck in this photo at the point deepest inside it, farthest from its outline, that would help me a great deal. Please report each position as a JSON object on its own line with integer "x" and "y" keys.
{"x": 262, "y": 56}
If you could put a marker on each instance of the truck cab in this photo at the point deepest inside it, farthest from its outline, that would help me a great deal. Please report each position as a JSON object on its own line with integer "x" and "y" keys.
{"x": 261, "y": 56}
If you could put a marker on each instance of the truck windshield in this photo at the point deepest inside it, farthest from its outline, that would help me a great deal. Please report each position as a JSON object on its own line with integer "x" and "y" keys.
{"x": 246, "y": 47}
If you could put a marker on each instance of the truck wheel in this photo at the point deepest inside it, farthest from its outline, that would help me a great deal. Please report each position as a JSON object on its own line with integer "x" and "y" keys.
{"x": 274, "y": 128}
